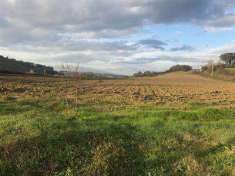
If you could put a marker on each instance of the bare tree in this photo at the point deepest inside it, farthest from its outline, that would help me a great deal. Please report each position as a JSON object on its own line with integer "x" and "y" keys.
{"x": 72, "y": 71}
{"x": 77, "y": 76}
{"x": 211, "y": 67}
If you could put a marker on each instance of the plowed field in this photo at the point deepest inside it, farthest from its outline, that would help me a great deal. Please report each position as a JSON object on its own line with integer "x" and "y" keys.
{"x": 175, "y": 88}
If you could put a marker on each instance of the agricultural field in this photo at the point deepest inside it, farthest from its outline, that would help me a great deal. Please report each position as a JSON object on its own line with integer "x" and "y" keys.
{"x": 173, "y": 124}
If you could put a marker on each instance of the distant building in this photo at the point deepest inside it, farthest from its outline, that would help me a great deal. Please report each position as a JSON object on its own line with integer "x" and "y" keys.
{"x": 228, "y": 59}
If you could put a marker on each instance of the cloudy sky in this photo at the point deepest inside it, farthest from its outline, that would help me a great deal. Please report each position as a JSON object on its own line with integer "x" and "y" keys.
{"x": 117, "y": 36}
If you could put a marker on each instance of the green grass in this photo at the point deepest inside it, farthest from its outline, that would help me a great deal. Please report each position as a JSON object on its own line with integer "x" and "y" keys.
{"x": 49, "y": 138}
{"x": 231, "y": 70}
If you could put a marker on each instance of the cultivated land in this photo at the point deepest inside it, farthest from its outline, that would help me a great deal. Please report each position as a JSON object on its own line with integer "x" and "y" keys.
{"x": 173, "y": 124}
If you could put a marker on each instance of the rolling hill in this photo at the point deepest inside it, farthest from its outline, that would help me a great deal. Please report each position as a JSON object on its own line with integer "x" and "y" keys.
{"x": 14, "y": 66}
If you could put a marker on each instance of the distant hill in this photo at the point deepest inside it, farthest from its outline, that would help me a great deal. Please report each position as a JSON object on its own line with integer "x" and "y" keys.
{"x": 175, "y": 68}
{"x": 95, "y": 76}
{"x": 13, "y": 66}
{"x": 92, "y": 75}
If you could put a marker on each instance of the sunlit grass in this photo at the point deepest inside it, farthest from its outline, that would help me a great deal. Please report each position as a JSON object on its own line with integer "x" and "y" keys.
{"x": 41, "y": 138}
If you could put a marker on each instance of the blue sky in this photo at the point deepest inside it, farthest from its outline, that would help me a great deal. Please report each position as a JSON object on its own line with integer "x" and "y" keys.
{"x": 119, "y": 36}
{"x": 186, "y": 34}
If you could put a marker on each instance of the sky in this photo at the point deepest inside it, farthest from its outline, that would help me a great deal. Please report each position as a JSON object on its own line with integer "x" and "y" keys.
{"x": 117, "y": 36}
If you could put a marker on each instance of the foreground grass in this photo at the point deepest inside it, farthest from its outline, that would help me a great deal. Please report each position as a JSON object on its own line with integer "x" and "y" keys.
{"x": 49, "y": 138}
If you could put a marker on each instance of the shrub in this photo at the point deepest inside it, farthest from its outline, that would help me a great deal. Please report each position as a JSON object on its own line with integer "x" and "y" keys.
{"x": 180, "y": 68}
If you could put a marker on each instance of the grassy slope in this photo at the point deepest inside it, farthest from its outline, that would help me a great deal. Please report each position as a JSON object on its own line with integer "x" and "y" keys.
{"x": 226, "y": 74}
{"x": 49, "y": 138}
{"x": 231, "y": 70}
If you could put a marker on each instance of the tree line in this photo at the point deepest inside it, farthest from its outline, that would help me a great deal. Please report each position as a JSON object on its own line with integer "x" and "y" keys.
{"x": 174, "y": 68}
{"x": 8, "y": 65}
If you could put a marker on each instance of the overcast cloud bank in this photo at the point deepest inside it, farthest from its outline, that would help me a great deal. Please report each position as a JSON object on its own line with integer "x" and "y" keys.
{"x": 109, "y": 35}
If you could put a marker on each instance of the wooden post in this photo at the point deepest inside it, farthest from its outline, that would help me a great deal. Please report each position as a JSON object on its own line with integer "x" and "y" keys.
{"x": 212, "y": 69}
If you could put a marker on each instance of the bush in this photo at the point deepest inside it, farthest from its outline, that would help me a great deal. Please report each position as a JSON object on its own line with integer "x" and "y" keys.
{"x": 180, "y": 68}
{"x": 217, "y": 67}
